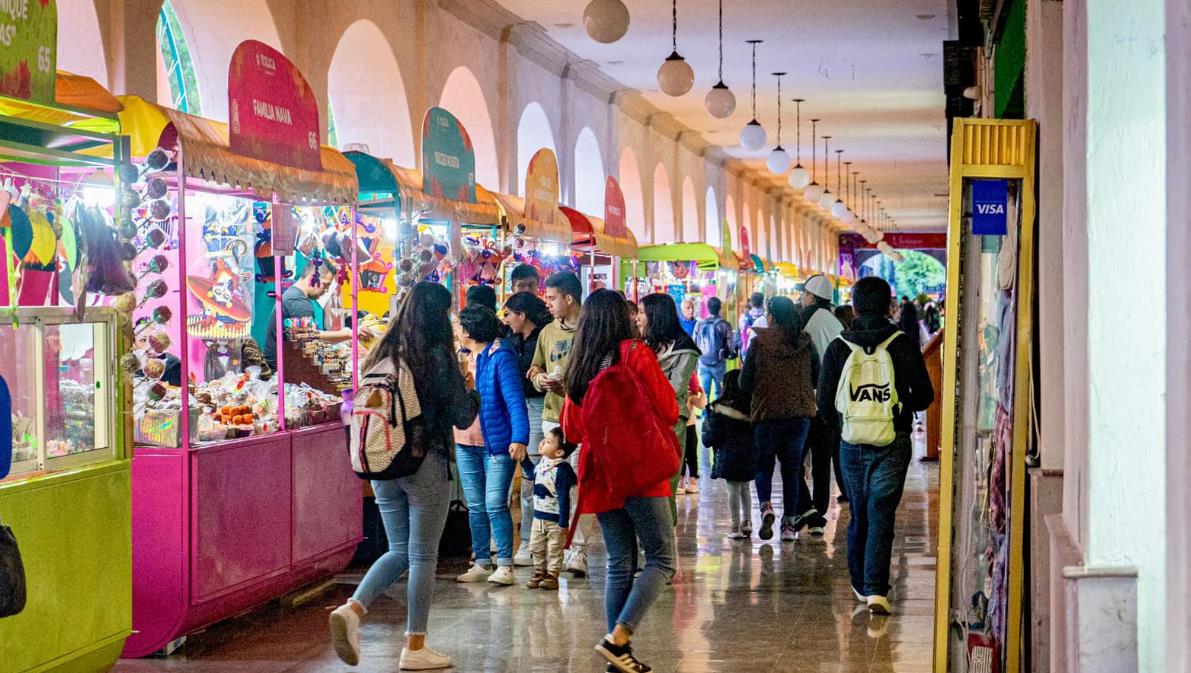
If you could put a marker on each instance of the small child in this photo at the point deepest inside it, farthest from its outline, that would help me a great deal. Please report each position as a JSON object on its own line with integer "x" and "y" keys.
{"x": 696, "y": 402}
{"x": 553, "y": 479}
{"x": 728, "y": 430}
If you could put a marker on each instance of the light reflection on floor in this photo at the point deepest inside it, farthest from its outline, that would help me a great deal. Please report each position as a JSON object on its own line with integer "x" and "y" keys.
{"x": 736, "y": 607}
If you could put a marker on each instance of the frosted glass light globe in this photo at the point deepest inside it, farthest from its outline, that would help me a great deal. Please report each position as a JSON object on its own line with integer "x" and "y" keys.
{"x": 812, "y": 192}
{"x": 849, "y": 218}
{"x": 606, "y": 21}
{"x": 827, "y": 200}
{"x": 720, "y": 101}
{"x": 753, "y": 136}
{"x": 778, "y": 161}
{"x": 675, "y": 77}
{"x": 799, "y": 178}
{"x": 838, "y": 209}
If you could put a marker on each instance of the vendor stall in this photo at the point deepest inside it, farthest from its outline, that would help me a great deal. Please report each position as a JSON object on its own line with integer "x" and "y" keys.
{"x": 64, "y": 469}
{"x": 686, "y": 270}
{"x": 787, "y": 279}
{"x": 541, "y": 233}
{"x": 603, "y": 243}
{"x": 241, "y": 487}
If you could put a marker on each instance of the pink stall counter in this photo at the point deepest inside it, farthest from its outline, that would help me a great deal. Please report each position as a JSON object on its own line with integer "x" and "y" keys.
{"x": 241, "y": 487}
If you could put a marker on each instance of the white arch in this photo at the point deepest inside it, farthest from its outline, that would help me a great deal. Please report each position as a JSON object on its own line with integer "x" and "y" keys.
{"x": 363, "y": 59}
{"x": 80, "y": 42}
{"x": 463, "y": 97}
{"x": 690, "y": 211}
{"x": 714, "y": 226}
{"x": 663, "y": 207}
{"x": 634, "y": 200}
{"x": 733, "y": 230}
{"x": 213, "y": 29}
{"x": 533, "y": 133}
{"x": 589, "y": 174}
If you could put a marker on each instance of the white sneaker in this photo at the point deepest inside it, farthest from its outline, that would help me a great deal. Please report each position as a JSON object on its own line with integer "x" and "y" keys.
{"x": 424, "y": 659}
{"x": 577, "y": 564}
{"x": 860, "y": 598}
{"x": 736, "y": 533}
{"x": 879, "y": 605}
{"x": 476, "y": 573}
{"x": 345, "y": 634}
{"x": 503, "y": 576}
{"x": 523, "y": 557}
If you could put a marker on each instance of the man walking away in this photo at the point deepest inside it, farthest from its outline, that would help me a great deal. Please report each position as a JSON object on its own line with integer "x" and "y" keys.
{"x": 749, "y": 322}
{"x": 822, "y": 442}
{"x": 717, "y": 343}
{"x": 873, "y": 381}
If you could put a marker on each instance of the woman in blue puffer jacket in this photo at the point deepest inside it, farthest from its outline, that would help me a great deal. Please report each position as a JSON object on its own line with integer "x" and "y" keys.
{"x": 486, "y": 473}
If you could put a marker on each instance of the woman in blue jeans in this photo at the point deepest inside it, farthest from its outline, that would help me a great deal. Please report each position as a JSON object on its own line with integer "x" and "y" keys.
{"x": 780, "y": 372}
{"x": 486, "y": 472}
{"x": 414, "y": 508}
{"x": 604, "y": 338}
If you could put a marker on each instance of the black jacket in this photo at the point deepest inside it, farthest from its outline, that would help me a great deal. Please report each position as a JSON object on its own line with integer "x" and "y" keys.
{"x": 729, "y": 432}
{"x": 914, "y": 390}
{"x": 445, "y": 400}
{"x": 524, "y": 347}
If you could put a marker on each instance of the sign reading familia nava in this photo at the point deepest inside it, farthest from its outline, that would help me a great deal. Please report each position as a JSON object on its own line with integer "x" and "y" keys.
{"x": 28, "y": 49}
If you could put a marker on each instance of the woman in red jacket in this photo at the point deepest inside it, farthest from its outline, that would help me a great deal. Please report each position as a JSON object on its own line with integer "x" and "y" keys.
{"x": 603, "y": 339}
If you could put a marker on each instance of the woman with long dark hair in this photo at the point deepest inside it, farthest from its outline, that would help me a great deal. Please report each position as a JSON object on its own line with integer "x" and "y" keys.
{"x": 780, "y": 372}
{"x": 678, "y": 355}
{"x": 414, "y": 508}
{"x": 604, "y": 339}
{"x": 525, "y": 315}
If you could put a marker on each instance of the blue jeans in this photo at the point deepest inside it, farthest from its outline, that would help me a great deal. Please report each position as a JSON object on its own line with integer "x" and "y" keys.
{"x": 875, "y": 477}
{"x": 646, "y": 519}
{"x": 486, "y": 479}
{"x": 709, "y": 374}
{"x": 414, "y": 512}
{"x": 785, "y": 440}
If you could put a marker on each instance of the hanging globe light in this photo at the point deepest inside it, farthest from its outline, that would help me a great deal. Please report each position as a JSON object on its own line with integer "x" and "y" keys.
{"x": 720, "y": 101}
{"x": 813, "y": 190}
{"x": 779, "y": 160}
{"x": 606, "y": 21}
{"x": 799, "y": 178}
{"x": 753, "y": 136}
{"x": 838, "y": 209}
{"x": 675, "y": 76}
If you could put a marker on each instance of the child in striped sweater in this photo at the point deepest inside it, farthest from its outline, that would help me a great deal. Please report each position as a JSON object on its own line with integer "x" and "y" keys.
{"x": 553, "y": 479}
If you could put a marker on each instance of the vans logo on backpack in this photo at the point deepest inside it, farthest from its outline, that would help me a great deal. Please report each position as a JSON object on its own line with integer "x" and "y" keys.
{"x": 871, "y": 392}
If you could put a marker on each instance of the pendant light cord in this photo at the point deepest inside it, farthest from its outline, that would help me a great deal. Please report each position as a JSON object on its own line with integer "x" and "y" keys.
{"x": 721, "y": 41}
{"x": 674, "y": 33}
{"x": 839, "y": 185}
{"x": 779, "y": 110}
{"x": 798, "y": 131}
{"x": 814, "y": 154}
{"x": 754, "y": 42}
{"x": 827, "y": 163}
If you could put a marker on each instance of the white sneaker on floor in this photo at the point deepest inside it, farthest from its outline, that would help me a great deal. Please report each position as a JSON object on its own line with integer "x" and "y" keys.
{"x": 879, "y": 605}
{"x": 476, "y": 573}
{"x": 816, "y": 532}
{"x": 523, "y": 558}
{"x": 345, "y": 634}
{"x": 577, "y": 563}
{"x": 424, "y": 659}
{"x": 860, "y": 598}
{"x": 503, "y": 576}
{"x": 736, "y": 534}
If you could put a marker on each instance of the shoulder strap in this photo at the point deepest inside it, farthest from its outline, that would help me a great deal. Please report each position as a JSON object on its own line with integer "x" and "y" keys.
{"x": 885, "y": 344}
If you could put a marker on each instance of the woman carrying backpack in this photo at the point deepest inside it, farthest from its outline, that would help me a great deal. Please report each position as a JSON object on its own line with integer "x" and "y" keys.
{"x": 780, "y": 372}
{"x": 728, "y": 430}
{"x": 414, "y": 508}
{"x": 486, "y": 473}
{"x": 622, "y": 408}
{"x": 678, "y": 356}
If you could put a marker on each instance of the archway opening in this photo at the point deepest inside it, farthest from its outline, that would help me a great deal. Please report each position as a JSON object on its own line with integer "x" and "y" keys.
{"x": 634, "y": 199}
{"x": 733, "y": 230}
{"x": 712, "y": 218}
{"x": 663, "y": 207}
{"x": 589, "y": 174}
{"x": 690, "y": 211}
{"x": 534, "y": 132}
{"x": 463, "y": 97}
{"x": 80, "y": 42}
{"x": 364, "y": 112}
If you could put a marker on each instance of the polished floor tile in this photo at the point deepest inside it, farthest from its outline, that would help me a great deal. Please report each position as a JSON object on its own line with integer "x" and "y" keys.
{"x": 739, "y": 607}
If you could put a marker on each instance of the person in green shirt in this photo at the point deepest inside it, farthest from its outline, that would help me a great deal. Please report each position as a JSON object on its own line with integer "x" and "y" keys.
{"x": 564, "y": 299}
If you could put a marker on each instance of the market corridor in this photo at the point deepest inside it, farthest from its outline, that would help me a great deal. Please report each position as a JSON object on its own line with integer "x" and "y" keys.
{"x": 734, "y": 607}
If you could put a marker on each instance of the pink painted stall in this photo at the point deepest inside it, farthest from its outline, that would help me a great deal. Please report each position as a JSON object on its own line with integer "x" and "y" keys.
{"x": 241, "y": 488}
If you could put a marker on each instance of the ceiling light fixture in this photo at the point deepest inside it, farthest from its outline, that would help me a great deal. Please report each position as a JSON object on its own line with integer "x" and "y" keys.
{"x": 838, "y": 208}
{"x": 720, "y": 101}
{"x": 675, "y": 77}
{"x": 826, "y": 199}
{"x": 779, "y": 159}
{"x": 845, "y": 214}
{"x": 606, "y": 21}
{"x": 799, "y": 178}
{"x": 752, "y": 136}
{"x": 813, "y": 190}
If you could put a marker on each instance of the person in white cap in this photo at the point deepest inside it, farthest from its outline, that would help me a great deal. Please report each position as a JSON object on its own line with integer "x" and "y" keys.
{"x": 822, "y": 444}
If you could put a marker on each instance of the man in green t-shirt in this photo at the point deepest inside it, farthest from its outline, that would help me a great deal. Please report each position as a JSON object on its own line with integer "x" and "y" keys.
{"x": 564, "y": 299}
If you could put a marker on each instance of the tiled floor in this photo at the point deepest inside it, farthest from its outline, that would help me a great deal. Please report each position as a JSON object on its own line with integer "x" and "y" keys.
{"x": 735, "y": 607}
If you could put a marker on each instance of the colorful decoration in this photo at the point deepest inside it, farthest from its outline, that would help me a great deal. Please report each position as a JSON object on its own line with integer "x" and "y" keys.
{"x": 272, "y": 110}
{"x": 448, "y": 158}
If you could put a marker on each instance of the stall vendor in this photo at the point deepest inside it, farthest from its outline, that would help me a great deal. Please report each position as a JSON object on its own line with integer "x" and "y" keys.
{"x": 298, "y": 302}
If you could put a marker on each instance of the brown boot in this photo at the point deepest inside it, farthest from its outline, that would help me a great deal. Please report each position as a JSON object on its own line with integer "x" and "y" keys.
{"x": 536, "y": 581}
{"x": 549, "y": 582}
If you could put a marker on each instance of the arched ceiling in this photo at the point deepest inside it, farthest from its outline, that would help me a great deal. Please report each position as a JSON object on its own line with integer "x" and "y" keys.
{"x": 871, "y": 71}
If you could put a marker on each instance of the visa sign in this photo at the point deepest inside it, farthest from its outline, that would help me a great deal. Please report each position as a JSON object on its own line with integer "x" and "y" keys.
{"x": 989, "y": 205}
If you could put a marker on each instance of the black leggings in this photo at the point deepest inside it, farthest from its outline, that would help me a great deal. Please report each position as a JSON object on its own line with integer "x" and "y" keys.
{"x": 691, "y": 455}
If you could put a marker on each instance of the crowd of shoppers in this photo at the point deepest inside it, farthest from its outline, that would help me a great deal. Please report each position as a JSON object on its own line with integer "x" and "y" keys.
{"x": 595, "y": 404}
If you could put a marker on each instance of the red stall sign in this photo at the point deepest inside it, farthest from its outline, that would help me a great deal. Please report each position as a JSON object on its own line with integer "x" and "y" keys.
{"x": 272, "y": 113}
{"x": 614, "y": 220}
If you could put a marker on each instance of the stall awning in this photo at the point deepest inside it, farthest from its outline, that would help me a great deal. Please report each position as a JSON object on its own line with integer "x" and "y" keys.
{"x": 207, "y": 156}
{"x": 414, "y": 200}
{"x": 78, "y": 129}
{"x": 787, "y": 269}
{"x": 705, "y": 256}
{"x": 759, "y": 264}
{"x": 589, "y": 232}
{"x": 558, "y": 230}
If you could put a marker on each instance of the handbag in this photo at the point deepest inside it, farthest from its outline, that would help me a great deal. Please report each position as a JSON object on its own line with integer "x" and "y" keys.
{"x": 12, "y": 574}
